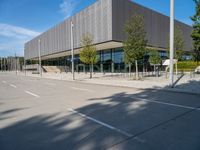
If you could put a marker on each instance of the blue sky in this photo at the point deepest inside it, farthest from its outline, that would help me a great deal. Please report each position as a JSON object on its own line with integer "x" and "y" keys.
{"x": 22, "y": 20}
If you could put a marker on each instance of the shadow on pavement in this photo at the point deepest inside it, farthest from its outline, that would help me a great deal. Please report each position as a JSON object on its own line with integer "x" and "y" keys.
{"x": 153, "y": 124}
{"x": 9, "y": 113}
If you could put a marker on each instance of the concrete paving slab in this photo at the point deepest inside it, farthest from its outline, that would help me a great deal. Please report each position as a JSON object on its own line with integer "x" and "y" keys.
{"x": 133, "y": 117}
{"x": 180, "y": 134}
{"x": 41, "y": 132}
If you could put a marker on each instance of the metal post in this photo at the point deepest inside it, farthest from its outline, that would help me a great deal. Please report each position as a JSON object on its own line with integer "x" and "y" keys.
{"x": 72, "y": 49}
{"x": 171, "y": 77}
{"x": 24, "y": 66}
{"x": 39, "y": 57}
{"x": 1, "y": 64}
{"x": 15, "y": 63}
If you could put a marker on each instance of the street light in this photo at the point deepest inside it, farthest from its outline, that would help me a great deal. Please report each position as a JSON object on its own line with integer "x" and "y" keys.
{"x": 1, "y": 64}
{"x": 171, "y": 72}
{"x": 39, "y": 57}
{"x": 24, "y": 66}
{"x": 72, "y": 49}
{"x": 16, "y": 63}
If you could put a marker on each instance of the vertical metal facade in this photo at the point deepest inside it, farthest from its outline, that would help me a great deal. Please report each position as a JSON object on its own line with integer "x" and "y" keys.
{"x": 156, "y": 24}
{"x": 105, "y": 21}
{"x": 95, "y": 20}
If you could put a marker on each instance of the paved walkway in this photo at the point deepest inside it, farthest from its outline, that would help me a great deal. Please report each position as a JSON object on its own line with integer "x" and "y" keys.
{"x": 186, "y": 84}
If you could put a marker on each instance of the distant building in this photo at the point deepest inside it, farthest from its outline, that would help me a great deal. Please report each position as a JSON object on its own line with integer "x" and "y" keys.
{"x": 105, "y": 21}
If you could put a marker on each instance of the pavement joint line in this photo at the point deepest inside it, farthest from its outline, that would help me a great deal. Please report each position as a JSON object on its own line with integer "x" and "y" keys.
{"x": 169, "y": 104}
{"x": 30, "y": 93}
{"x": 81, "y": 89}
{"x": 101, "y": 123}
{"x": 12, "y": 85}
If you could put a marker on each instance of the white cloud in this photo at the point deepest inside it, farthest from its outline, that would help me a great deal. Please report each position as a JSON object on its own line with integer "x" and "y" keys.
{"x": 16, "y": 32}
{"x": 67, "y": 7}
{"x": 12, "y": 39}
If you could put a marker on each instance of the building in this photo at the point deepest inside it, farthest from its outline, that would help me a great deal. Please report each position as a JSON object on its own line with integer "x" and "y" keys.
{"x": 104, "y": 20}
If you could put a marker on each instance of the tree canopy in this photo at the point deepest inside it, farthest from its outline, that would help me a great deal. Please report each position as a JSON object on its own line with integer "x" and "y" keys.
{"x": 88, "y": 54}
{"x": 196, "y": 31}
{"x": 178, "y": 43}
{"x": 154, "y": 58}
{"x": 135, "y": 44}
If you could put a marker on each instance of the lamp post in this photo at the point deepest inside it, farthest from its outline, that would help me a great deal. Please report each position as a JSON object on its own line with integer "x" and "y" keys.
{"x": 171, "y": 76}
{"x": 39, "y": 57}
{"x": 1, "y": 64}
{"x": 15, "y": 63}
{"x": 24, "y": 66}
{"x": 72, "y": 49}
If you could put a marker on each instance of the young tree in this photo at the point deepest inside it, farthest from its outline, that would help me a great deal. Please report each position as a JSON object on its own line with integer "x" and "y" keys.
{"x": 178, "y": 43}
{"x": 135, "y": 44}
{"x": 155, "y": 58}
{"x": 196, "y": 31}
{"x": 88, "y": 54}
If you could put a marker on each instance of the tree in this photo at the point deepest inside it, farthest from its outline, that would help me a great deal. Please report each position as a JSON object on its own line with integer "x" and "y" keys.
{"x": 196, "y": 31}
{"x": 178, "y": 43}
{"x": 155, "y": 58}
{"x": 135, "y": 44}
{"x": 88, "y": 54}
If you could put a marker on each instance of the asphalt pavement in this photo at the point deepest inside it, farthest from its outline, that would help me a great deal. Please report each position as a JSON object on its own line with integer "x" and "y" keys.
{"x": 47, "y": 114}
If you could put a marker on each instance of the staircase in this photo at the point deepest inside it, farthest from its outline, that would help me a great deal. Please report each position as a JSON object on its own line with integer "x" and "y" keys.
{"x": 51, "y": 69}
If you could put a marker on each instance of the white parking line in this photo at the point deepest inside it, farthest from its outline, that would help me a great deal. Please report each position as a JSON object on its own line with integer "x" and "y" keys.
{"x": 80, "y": 89}
{"x": 12, "y": 85}
{"x": 101, "y": 123}
{"x": 4, "y": 82}
{"x": 164, "y": 103}
{"x": 30, "y": 93}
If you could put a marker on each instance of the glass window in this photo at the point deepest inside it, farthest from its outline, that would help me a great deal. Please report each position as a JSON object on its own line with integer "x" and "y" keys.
{"x": 118, "y": 56}
{"x": 106, "y": 56}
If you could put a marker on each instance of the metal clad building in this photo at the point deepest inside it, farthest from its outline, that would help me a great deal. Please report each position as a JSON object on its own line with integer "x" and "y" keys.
{"x": 156, "y": 24}
{"x": 104, "y": 20}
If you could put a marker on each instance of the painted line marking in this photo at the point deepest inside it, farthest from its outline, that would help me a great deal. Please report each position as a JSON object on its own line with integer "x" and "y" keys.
{"x": 4, "y": 82}
{"x": 80, "y": 89}
{"x": 12, "y": 85}
{"x": 164, "y": 103}
{"x": 30, "y": 93}
{"x": 101, "y": 123}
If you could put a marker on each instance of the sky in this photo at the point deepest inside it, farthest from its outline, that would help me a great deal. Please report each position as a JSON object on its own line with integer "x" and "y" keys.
{"x": 22, "y": 20}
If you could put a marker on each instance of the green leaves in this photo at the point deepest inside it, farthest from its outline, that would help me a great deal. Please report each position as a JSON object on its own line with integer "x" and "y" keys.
{"x": 88, "y": 54}
{"x": 178, "y": 43}
{"x": 135, "y": 44}
{"x": 196, "y": 31}
{"x": 154, "y": 57}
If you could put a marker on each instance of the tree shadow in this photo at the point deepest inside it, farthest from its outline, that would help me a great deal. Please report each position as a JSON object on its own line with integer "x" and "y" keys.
{"x": 193, "y": 85}
{"x": 9, "y": 113}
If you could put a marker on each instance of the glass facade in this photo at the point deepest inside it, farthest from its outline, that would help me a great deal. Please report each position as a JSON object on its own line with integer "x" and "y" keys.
{"x": 111, "y": 60}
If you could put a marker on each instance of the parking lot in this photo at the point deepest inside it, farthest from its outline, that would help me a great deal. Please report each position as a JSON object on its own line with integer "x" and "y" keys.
{"x": 46, "y": 114}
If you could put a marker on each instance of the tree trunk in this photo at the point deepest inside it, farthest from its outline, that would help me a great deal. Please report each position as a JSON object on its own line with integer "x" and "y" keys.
{"x": 129, "y": 67}
{"x": 136, "y": 70}
{"x": 90, "y": 71}
{"x": 154, "y": 69}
